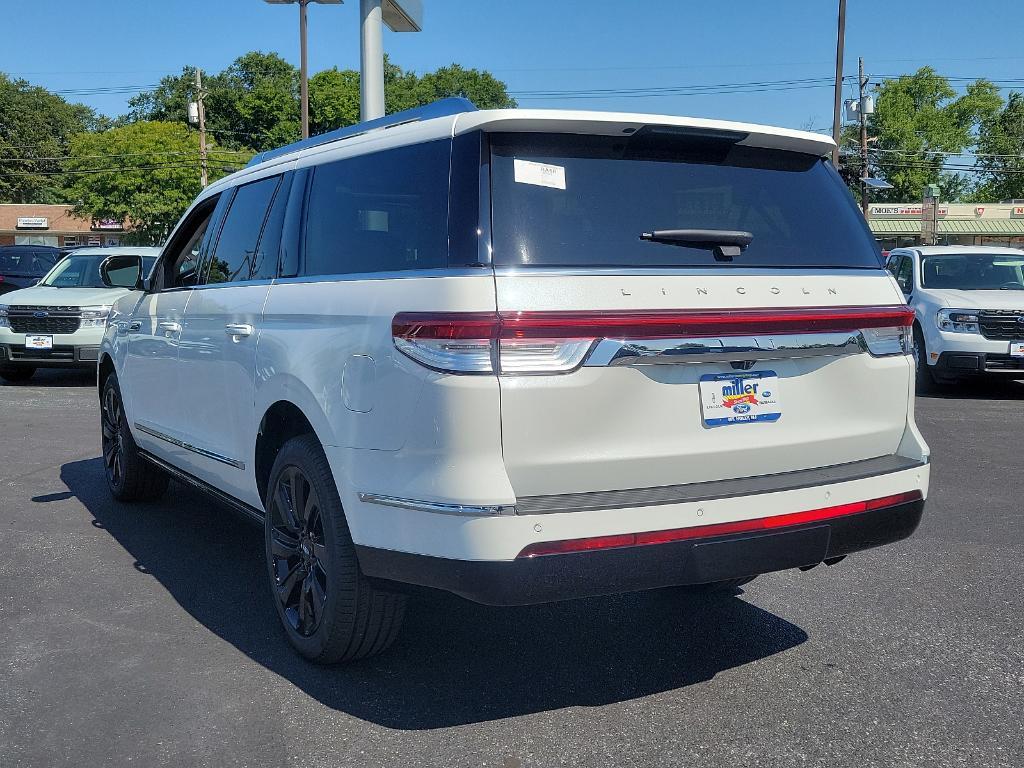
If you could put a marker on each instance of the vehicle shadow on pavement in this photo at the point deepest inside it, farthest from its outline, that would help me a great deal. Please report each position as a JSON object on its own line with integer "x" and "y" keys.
{"x": 55, "y": 378}
{"x": 978, "y": 389}
{"x": 455, "y": 662}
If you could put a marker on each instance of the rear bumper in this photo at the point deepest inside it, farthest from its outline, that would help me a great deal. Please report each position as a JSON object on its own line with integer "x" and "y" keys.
{"x": 628, "y": 569}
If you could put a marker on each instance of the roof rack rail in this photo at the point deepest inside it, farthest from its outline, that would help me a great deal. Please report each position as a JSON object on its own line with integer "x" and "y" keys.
{"x": 442, "y": 108}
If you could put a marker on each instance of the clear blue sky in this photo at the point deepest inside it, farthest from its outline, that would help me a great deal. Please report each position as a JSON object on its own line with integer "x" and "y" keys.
{"x": 533, "y": 45}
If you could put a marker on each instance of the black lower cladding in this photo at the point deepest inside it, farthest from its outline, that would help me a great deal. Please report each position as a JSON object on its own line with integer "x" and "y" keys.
{"x": 953, "y": 364}
{"x": 629, "y": 569}
{"x": 59, "y": 356}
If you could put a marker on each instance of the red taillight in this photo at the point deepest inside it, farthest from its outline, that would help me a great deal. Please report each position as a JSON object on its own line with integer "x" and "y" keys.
{"x": 718, "y": 529}
{"x": 555, "y": 342}
{"x": 627, "y": 324}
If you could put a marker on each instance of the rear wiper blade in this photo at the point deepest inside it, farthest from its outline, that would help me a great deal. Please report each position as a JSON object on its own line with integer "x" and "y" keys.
{"x": 725, "y": 243}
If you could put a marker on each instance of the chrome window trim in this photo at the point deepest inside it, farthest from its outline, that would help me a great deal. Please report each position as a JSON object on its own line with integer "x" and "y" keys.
{"x": 392, "y": 275}
{"x": 189, "y": 447}
{"x": 466, "y": 510}
{"x": 681, "y": 351}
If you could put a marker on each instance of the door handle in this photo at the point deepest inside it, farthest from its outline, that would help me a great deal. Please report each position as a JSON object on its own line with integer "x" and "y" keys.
{"x": 169, "y": 326}
{"x": 135, "y": 325}
{"x": 238, "y": 329}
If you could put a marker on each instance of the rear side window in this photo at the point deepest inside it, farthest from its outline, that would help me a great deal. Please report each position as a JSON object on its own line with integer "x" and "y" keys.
{"x": 236, "y": 247}
{"x": 27, "y": 262}
{"x": 560, "y": 200}
{"x": 383, "y": 212}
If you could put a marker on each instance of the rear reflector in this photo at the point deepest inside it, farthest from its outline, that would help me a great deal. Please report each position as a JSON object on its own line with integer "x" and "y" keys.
{"x": 718, "y": 529}
{"x": 558, "y": 342}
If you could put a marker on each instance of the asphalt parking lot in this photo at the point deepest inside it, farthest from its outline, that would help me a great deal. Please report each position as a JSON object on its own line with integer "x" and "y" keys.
{"x": 143, "y": 635}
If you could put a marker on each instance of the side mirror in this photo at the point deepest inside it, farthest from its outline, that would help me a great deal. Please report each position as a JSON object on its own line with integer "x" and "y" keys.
{"x": 122, "y": 272}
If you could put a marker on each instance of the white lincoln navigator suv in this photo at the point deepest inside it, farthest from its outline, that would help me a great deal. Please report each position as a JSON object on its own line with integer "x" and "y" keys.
{"x": 522, "y": 356}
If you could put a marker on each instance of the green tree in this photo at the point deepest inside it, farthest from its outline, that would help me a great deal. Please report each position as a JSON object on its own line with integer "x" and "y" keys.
{"x": 918, "y": 120}
{"x": 333, "y": 100}
{"x": 253, "y": 103}
{"x": 36, "y": 127}
{"x": 145, "y": 174}
{"x": 1001, "y": 152}
{"x": 334, "y": 93}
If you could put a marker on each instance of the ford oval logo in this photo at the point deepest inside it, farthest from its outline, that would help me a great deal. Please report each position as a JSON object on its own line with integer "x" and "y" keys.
{"x": 40, "y": 314}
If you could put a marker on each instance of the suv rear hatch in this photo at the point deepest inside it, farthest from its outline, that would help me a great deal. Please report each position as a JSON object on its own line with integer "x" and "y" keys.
{"x": 635, "y": 357}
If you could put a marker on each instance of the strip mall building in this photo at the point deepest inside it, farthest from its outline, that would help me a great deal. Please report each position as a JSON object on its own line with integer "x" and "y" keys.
{"x": 32, "y": 224}
{"x": 899, "y": 224}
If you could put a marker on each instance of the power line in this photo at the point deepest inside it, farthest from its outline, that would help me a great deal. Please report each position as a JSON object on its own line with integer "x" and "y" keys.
{"x": 220, "y": 164}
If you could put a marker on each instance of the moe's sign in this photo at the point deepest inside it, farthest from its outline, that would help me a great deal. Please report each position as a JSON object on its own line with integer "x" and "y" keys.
{"x": 903, "y": 210}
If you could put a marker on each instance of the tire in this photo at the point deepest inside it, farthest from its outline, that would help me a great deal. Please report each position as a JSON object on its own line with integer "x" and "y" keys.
{"x": 925, "y": 380}
{"x": 129, "y": 476}
{"x": 15, "y": 374}
{"x": 328, "y": 609}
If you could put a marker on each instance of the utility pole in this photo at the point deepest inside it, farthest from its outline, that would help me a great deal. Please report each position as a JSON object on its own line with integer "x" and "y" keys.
{"x": 840, "y": 42}
{"x": 202, "y": 128}
{"x": 862, "y": 114}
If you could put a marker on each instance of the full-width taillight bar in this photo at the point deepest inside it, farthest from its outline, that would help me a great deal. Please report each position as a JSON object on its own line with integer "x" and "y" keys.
{"x": 772, "y": 522}
{"x": 628, "y": 324}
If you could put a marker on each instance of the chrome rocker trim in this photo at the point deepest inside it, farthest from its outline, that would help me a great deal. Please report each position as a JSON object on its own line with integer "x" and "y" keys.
{"x": 189, "y": 447}
{"x": 468, "y": 510}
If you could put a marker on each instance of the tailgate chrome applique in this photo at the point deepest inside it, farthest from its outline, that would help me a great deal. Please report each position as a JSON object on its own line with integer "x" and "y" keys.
{"x": 614, "y": 352}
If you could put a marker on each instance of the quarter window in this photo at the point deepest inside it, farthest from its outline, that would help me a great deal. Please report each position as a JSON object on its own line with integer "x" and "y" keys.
{"x": 381, "y": 212}
{"x": 236, "y": 247}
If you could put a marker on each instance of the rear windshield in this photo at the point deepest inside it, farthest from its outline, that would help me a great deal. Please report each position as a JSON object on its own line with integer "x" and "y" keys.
{"x": 568, "y": 201}
{"x": 24, "y": 261}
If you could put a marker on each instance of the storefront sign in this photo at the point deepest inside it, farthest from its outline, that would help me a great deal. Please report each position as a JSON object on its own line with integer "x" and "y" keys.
{"x": 902, "y": 210}
{"x": 107, "y": 224}
{"x": 33, "y": 222}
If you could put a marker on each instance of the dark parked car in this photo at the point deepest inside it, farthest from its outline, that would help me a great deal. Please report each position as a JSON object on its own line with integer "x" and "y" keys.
{"x": 22, "y": 266}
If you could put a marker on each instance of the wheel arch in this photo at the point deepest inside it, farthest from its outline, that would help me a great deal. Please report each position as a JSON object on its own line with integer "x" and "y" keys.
{"x": 104, "y": 369}
{"x": 281, "y": 422}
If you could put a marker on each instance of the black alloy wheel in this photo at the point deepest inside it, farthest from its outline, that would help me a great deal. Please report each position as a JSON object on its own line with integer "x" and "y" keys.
{"x": 130, "y": 477}
{"x": 328, "y": 609}
{"x": 113, "y": 438}
{"x": 299, "y": 558}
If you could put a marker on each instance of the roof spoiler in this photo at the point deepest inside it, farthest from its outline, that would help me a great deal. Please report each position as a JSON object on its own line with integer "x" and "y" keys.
{"x": 442, "y": 108}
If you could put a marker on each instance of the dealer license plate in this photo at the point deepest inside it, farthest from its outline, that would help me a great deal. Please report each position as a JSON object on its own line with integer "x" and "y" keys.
{"x": 39, "y": 342}
{"x": 1017, "y": 349}
{"x": 738, "y": 398}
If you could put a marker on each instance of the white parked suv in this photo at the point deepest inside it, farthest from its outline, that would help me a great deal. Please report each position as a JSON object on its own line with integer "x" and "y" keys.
{"x": 969, "y": 307}
{"x": 522, "y": 356}
{"x": 59, "y": 322}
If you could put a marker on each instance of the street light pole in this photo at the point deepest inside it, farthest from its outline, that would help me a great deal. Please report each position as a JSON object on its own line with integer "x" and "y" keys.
{"x": 303, "y": 71}
{"x": 840, "y": 42}
{"x": 303, "y": 65}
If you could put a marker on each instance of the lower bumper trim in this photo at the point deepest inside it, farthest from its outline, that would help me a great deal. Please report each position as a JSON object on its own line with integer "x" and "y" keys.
{"x": 550, "y": 578}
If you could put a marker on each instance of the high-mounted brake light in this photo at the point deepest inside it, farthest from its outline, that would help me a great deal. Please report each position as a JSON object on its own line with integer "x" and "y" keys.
{"x": 556, "y": 342}
{"x": 719, "y": 529}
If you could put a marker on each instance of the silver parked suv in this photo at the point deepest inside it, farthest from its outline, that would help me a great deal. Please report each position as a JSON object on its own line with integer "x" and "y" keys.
{"x": 521, "y": 356}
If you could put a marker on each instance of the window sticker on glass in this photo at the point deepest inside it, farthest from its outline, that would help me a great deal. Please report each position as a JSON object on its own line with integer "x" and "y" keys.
{"x": 539, "y": 174}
